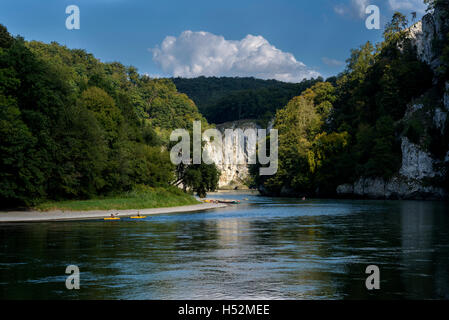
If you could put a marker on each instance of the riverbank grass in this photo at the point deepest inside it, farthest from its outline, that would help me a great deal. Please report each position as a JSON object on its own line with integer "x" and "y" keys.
{"x": 141, "y": 198}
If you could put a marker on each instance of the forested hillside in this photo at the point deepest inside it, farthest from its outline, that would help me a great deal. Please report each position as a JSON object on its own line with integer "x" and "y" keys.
{"x": 72, "y": 127}
{"x": 228, "y": 99}
{"x": 386, "y": 98}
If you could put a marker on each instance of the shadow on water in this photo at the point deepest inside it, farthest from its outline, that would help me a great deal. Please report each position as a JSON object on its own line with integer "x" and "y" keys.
{"x": 263, "y": 248}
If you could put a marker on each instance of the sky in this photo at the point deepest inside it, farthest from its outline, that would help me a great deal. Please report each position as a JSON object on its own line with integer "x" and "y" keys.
{"x": 287, "y": 40}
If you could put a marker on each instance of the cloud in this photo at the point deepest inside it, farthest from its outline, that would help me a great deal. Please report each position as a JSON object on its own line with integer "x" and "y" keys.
{"x": 332, "y": 62}
{"x": 341, "y": 10}
{"x": 356, "y": 8}
{"x": 360, "y": 7}
{"x": 411, "y": 5}
{"x": 202, "y": 53}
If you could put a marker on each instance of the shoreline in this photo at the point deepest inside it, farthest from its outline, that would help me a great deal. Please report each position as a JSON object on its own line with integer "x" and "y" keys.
{"x": 59, "y": 215}
{"x": 246, "y": 191}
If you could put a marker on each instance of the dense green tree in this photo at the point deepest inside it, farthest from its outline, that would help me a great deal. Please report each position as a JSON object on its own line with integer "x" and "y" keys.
{"x": 350, "y": 127}
{"x": 81, "y": 156}
{"x": 201, "y": 178}
{"x": 303, "y": 149}
{"x": 21, "y": 180}
{"x": 104, "y": 109}
{"x": 5, "y": 38}
{"x": 74, "y": 127}
{"x": 229, "y": 99}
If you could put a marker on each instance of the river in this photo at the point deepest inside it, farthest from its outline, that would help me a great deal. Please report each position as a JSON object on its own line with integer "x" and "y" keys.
{"x": 263, "y": 248}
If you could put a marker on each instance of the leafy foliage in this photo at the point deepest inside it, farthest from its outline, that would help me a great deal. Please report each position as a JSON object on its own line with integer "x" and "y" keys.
{"x": 72, "y": 127}
{"x": 349, "y": 127}
{"x": 201, "y": 178}
{"x": 227, "y": 99}
{"x": 306, "y": 152}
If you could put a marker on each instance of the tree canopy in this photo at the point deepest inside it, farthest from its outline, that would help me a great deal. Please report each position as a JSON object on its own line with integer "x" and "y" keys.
{"x": 74, "y": 127}
{"x": 336, "y": 132}
{"x": 232, "y": 98}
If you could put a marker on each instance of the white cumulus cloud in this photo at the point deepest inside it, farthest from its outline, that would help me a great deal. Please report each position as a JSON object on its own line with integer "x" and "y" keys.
{"x": 356, "y": 8}
{"x": 360, "y": 7}
{"x": 411, "y": 5}
{"x": 194, "y": 54}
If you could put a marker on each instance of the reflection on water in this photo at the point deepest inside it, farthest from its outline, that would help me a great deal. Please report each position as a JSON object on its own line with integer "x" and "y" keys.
{"x": 261, "y": 249}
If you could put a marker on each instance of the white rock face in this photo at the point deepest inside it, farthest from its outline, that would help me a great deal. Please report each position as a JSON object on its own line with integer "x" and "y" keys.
{"x": 231, "y": 160}
{"x": 423, "y": 34}
{"x": 416, "y": 163}
{"x": 345, "y": 189}
{"x": 420, "y": 37}
{"x": 446, "y": 97}
{"x": 395, "y": 188}
{"x": 411, "y": 108}
{"x": 374, "y": 188}
{"x": 439, "y": 119}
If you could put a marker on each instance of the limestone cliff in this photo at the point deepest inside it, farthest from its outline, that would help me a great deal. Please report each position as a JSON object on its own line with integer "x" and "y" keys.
{"x": 420, "y": 169}
{"x": 412, "y": 182}
{"x": 423, "y": 35}
{"x": 234, "y": 170}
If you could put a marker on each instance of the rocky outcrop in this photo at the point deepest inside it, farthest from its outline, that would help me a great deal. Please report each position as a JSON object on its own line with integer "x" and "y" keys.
{"x": 234, "y": 170}
{"x": 440, "y": 114}
{"x": 396, "y": 188}
{"x": 446, "y": 97}
{"x": 420, "y": 33}
{"x": 439, "y": 119}
{"x": 424, "y": 33}
{"x": 416, "y": 163}
{"x": 345, "y": 189}
{"x": 412, "y": 108}
{"x": 418, "y": 166}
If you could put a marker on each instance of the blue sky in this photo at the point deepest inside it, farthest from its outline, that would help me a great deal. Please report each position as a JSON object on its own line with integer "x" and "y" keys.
{"x": 283, "y": 39}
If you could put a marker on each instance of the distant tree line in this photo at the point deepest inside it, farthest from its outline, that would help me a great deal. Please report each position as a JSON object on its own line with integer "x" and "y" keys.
{"x": 223, "y": 99}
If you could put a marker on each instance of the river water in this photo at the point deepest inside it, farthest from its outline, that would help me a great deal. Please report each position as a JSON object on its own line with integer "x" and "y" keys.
{"x": 263, "y": 248}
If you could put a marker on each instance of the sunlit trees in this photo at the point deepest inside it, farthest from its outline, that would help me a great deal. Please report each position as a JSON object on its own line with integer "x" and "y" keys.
{"x": 350, "y": 127}
{"x": 305, "y": 150}
{"x": 201, "y": 178}
{"x": 73, "y": 127}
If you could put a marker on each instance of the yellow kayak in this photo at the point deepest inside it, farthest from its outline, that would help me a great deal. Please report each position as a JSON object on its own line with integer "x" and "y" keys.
{"x": 111, "y": 218}
{"x": 138, "y": 217}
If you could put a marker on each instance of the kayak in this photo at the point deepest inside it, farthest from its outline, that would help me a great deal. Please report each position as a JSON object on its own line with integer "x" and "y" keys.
{"x": 229, "y": 201}
{"x": 111, "y": 218}
{"x": 138, "y": 217}
{"x": 222, "y": 201}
